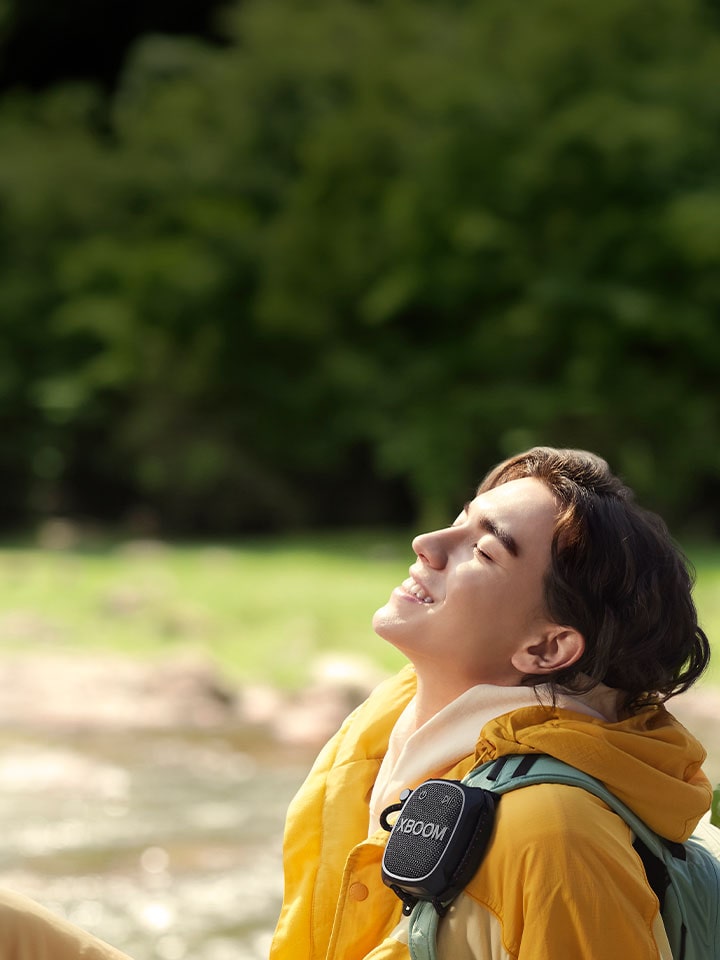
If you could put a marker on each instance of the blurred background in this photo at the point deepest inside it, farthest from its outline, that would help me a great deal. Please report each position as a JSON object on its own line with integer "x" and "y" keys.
{"x": 279, "y": 282}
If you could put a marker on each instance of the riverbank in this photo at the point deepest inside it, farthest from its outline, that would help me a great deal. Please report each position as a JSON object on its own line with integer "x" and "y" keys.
{"x": 110, "y": 692}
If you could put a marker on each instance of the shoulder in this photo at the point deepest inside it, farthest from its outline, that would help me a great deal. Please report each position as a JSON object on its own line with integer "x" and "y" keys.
{"x": 544, "y": 812}
{"x": 548, "y": 834}
{"x": 561, "y": 871}
{"x": 559, "y": 823}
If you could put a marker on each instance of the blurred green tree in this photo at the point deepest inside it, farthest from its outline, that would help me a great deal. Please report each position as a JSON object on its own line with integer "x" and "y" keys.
{"x": 391, "y": 239}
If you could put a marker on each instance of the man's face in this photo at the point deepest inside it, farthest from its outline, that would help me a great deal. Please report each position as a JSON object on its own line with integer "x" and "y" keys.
{"x": 475, "y": 595}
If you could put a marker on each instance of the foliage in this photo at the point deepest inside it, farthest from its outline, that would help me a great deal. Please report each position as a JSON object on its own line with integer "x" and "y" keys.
{"x": 358, "y": 254}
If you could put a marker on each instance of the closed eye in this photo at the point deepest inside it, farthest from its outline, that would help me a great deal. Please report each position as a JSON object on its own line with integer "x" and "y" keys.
{"x": 478, "y": 551}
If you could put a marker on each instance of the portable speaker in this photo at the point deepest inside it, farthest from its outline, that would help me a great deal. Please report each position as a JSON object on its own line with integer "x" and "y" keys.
{"x": 437, "y": 842}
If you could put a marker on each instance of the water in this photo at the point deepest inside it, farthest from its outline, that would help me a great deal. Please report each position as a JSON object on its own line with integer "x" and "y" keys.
{"x": 166, "y": 844}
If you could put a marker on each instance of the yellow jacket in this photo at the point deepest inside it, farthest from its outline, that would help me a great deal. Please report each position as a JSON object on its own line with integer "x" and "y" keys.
{"x": 560, "y": 879}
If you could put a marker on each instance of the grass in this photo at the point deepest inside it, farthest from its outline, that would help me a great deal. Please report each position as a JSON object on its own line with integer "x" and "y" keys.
{"x": 263, "y": 610}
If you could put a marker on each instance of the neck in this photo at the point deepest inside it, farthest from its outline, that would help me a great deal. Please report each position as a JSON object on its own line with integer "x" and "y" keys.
{"x": 432, "y": 696}
{"x": 437, "y": 687}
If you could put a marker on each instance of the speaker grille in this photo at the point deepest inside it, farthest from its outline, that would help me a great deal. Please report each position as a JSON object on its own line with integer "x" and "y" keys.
{"x": 423, "y": 830}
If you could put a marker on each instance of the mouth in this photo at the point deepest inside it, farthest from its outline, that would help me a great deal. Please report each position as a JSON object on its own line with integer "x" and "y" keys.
{"x": 413, "y": 589}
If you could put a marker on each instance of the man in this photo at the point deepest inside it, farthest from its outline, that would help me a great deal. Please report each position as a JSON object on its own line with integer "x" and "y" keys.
{"x": 554, "y": 616}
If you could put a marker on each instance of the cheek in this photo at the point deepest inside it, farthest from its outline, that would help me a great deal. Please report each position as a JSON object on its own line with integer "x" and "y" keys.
{"x": 474, "y": 607}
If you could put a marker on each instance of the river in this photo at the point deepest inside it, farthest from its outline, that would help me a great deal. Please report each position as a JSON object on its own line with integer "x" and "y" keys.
{"x": 166, "y": 844}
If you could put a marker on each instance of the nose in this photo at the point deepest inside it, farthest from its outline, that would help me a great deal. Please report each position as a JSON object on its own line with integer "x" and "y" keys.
{"x": 431, "y": 549}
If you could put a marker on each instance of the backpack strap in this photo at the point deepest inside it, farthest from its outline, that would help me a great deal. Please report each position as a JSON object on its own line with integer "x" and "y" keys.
{"x": 512, "y": 772}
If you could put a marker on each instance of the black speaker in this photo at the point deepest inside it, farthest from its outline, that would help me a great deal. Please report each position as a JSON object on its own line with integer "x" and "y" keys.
{"x": 437, "y": 842}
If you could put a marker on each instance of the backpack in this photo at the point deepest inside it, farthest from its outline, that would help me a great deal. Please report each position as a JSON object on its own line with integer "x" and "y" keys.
{"x": 684, "y": 876}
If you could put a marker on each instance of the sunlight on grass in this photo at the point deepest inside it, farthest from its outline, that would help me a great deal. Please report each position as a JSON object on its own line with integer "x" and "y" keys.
{"x": 264, "y": 611}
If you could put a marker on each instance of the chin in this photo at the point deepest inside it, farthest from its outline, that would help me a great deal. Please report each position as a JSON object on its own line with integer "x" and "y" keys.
{"x": 380, "y": 620}
{"x": 391, "y": 627}
{"x": 386, "y": 622}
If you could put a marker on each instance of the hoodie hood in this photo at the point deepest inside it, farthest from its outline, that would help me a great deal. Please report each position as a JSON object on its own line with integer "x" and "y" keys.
{"x": 649, "y": 761}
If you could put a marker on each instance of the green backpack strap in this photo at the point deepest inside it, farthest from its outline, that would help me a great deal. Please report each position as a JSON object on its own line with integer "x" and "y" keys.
{"x": 511, "y": 773}
{"x": 422, "y": 938}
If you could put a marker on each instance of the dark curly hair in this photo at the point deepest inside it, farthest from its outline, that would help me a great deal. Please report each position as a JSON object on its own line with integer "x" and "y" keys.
{"x": 618, "y": 578}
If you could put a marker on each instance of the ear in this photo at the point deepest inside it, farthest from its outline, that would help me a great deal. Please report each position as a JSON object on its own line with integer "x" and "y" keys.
{"x": 556, "y": 649}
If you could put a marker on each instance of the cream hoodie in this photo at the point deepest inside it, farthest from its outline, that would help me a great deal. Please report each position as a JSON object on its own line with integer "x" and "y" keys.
{"x": 417, "y": 753}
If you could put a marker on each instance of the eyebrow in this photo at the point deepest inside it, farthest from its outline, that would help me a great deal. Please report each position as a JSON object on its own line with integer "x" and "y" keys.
{"x": 486, "y": 523}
